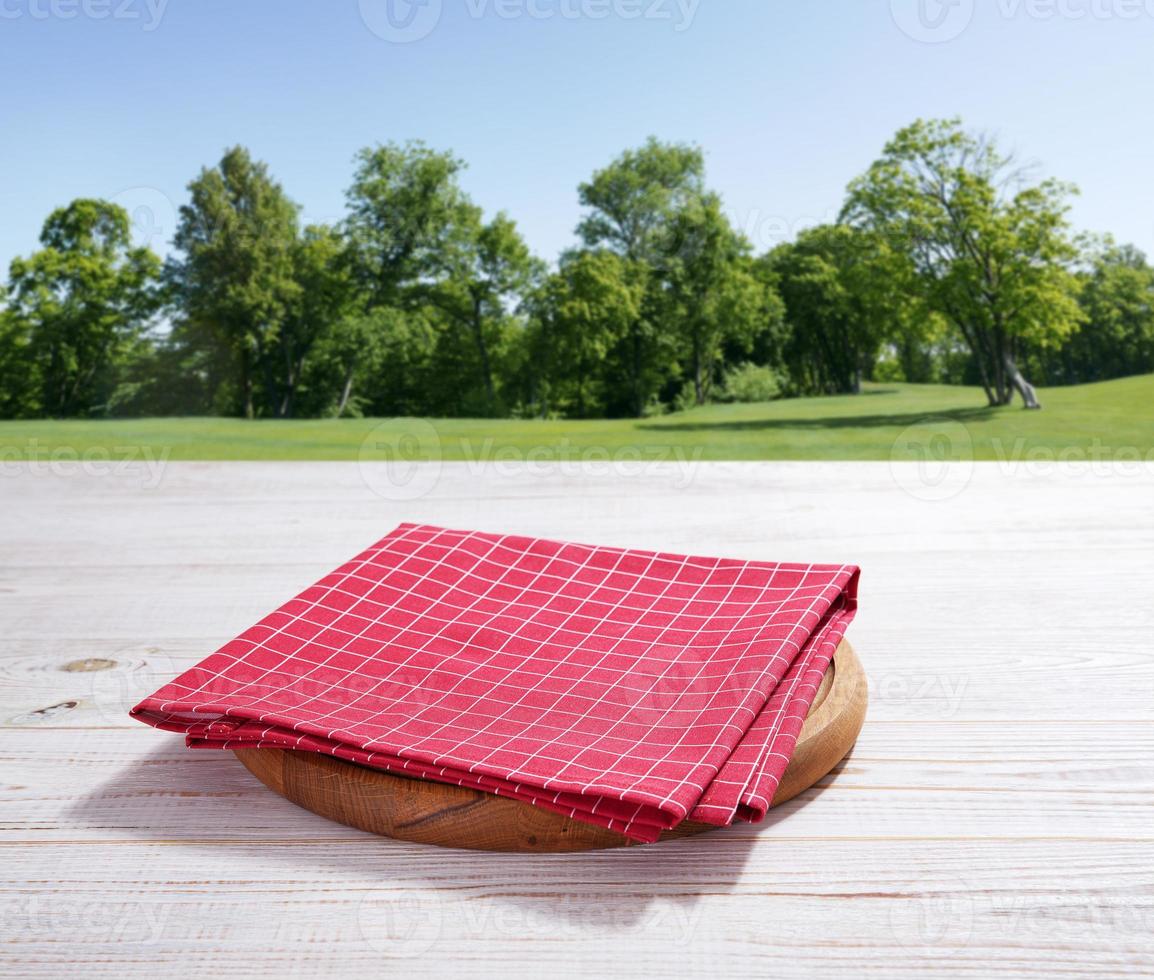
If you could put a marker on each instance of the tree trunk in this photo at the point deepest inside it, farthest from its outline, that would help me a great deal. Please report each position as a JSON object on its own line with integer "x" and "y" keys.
{"x": 698, "y": 384}
{"x": 346, "y": 393}
{"x": 284, "y": 410}
{"x": 1019, "y": 384}
{"x": 246, "y": 382}
{"x": 486, "y": 369}
{"x": 290, "y": 382}
{"x": 855, "y": 357}
{"x": 1001, "y": 382}
{"x": 638, "y": 406}
{"x": 982, "y": 358}
{"x": 266, "y": 368}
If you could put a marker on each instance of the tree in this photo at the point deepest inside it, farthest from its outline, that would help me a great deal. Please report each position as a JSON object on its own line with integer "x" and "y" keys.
{"x": 371, "y": 363}
{"x": 323, "y": 298}
{"x": 632, "y": 201}
{"x": 767, "y": 347}
{"x": 403, "y": 205}
{"x": 77, "y": 309}
{"x": 713, "y": 296}
{"x": 237, "y": 238}
{"x": 991, "y": 251}
{"x": 1117, "y": 337}
{"x": 581, "y": 313}
{"x": 19, "y": 394}
{"x": 631, "y": 206}
{"x": 844, "y": 296}
{"x": 921, "y": 344}
{"x": 484, "y": 273}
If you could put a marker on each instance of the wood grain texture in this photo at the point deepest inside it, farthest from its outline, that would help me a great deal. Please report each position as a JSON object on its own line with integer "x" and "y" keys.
{"x": 994, "y": 818}
{"x": 425, "y": 812}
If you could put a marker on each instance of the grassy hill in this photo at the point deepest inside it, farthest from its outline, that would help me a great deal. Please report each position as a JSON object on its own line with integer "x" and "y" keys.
{"x": 1114, "y": 419}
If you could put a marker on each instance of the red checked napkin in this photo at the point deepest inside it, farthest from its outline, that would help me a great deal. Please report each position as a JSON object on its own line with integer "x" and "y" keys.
{"x": 630, "y": 689}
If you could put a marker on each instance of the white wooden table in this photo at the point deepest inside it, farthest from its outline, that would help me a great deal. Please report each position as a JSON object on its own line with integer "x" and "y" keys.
{"x": 996, "y": 815}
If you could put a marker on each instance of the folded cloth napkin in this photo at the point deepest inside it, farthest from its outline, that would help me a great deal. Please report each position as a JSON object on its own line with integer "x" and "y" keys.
{"x": 630, "y": 689}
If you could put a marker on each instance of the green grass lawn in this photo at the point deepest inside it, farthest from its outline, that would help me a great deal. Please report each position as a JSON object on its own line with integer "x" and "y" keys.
{"x": 1114, "y": 419}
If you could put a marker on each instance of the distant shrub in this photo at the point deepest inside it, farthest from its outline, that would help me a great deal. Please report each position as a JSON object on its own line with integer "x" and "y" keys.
{"x": 686, "y": 398}
{"x": 888, "y": 369}
{"x": 751, "y": 383}
{"x": 654, "y": 407}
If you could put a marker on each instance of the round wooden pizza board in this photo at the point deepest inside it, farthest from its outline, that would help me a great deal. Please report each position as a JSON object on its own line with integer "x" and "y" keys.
{"x": 453, "y": 816}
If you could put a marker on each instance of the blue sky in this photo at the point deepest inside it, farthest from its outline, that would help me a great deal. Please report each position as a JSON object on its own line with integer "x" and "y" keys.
{"x": 127, "y": 99}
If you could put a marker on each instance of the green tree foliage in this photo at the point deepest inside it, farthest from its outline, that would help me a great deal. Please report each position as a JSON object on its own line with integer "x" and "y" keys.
{"x": 234, "y": 273}
{"x": 323, "y": 299}
{"x": 947, "y": 265}
{"x": 1116, "y": 337}
{"x": 921, "y": 347}
{"x": 378, "y": 362}
{"x": 713, "y": 298}
{"x": 663, "y": 291}
{"x": 631, "y": 208}
{"x": 632, "y": 201}
{"x": 581, "y": 314}
{"x": 78, "y": 310}
{"x": 484, "y": 272}
{"x": 404, "y": 206}
{"x": 748, "y": 382}
{"x": 843, "y": 293}
{"x": 19, "y": 397}
{"x": 417, "y": 253}
{"x": 767, "y": 347}
{"x": 991, "y": 251}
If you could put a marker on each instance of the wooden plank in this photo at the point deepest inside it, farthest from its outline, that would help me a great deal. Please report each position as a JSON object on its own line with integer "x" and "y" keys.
{"x": 921, "y": 779}
{"x": 990, "y": 674}
{"x": 969, "y": 908}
